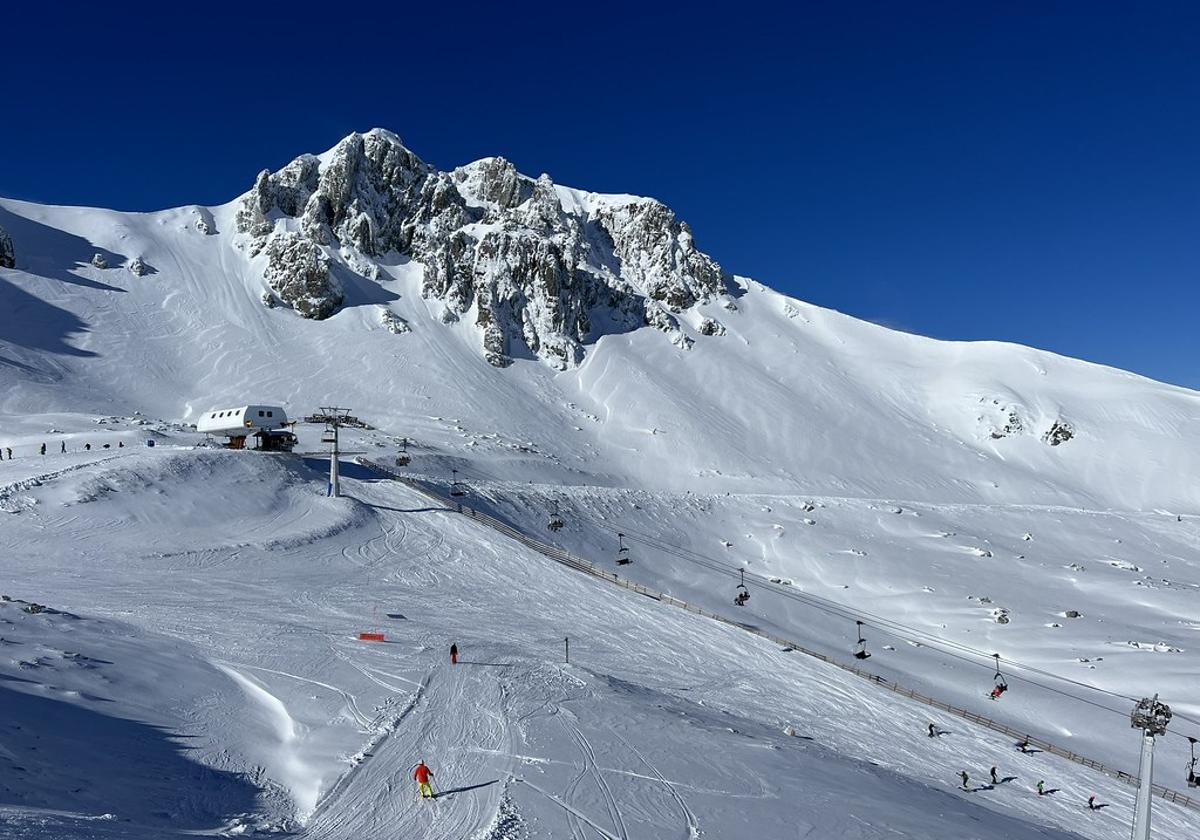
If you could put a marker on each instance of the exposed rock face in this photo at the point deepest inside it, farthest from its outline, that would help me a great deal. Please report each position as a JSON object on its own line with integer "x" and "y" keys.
{"x": 298, "y": 271}
{"x": 535, "y": 277}
{"x": 1059, "y": 432}
{"x": 8, "y": 257}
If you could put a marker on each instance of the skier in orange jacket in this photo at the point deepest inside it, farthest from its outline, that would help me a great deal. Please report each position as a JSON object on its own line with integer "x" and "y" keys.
{"x": 422, "y": 775}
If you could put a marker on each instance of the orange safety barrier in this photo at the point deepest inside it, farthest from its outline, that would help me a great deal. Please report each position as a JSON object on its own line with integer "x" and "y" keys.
{"x": 370, "y": 637}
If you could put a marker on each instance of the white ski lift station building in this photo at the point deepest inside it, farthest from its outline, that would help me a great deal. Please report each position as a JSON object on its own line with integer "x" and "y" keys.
{"x": 268, "y": 423}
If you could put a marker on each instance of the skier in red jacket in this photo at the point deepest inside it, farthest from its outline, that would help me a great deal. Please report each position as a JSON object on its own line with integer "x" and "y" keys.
{"x": 422, "y": 775}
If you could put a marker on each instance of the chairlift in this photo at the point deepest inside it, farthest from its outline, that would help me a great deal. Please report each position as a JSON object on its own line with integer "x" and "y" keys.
{"x": 623, "y": 558}
{"x": 328, "y": 436}
{"x": 402, "y": 457}
{"x": 862, "y": 652}
{"x": 457, "y": 488}
{"x": 1192, "y": 779}
{"x": 556, "y": 521}
{"x": 1001, "y": 685}
{"x": 743, "y": 594}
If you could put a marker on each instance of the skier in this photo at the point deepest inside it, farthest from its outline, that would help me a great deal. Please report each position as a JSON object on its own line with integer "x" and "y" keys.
{"x": 454, "y": 654}
{"x": 1092, "y": 802}
{"x": 1024, "y": 745}
{"x": 995, "y": 778}
{"x": 88, "y": 447}
{"x": 1041, "y": 787}
{"x": 965, "y": 779}
{"x": 422, "y": 775}
{"x": 932, "y": 731}
{"x": 43, "y": 449}
{"x": 63, "y": 450}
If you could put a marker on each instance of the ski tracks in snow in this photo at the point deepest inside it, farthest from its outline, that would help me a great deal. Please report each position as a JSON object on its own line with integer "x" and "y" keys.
{"x": 458, "y": 706}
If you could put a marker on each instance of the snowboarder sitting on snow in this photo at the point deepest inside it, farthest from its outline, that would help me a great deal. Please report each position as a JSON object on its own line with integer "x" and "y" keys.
{"x": 422, "y": 775}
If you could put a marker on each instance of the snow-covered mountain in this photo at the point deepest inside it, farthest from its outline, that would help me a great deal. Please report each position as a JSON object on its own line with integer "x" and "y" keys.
{"x": 560, "y": 348}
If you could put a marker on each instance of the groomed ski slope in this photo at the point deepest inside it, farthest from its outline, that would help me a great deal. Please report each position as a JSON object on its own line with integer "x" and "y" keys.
{"x": 222, "y": 592}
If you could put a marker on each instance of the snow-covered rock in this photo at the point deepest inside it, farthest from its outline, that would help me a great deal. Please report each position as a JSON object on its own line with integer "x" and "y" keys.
{"x": 298, "y": 271}
{"x": 537, "y": 274}
{"x": 99, "y": 261}
{"x": 138, "y": 267}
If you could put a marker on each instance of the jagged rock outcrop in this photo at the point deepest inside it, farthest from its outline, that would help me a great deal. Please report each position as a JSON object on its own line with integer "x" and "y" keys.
{"x": 99, "y": 261}
{"x": 1060, "y": 432}
{"x": 494, "y": 244}
{"x": 138, "y": 267}
{"x": 298, "y": 271}
{"x": 8, "y": 256}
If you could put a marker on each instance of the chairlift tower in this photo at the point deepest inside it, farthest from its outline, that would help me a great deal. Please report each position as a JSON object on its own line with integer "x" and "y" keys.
{"x": 1152, "y": 718}
{"x": 334, "y": 418}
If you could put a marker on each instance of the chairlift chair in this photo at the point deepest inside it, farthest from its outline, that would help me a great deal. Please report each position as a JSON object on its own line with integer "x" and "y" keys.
{"x": 862, "y": 652}
{"x": 742, "y": 593}
{"x": 456, "y": 486}
{"x": 403, "y": 459}
{"x": 1192, "y": 779}
{"x": 328, "y": 437}
{"x": 556, "y": 521}
{"x": 1001, "y": 685}
{"x": 623, "y": 558}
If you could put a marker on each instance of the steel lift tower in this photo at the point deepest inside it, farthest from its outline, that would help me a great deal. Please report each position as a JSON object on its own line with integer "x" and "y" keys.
{"x": 334, "y": 418}
{"x": 1152, "y": 718}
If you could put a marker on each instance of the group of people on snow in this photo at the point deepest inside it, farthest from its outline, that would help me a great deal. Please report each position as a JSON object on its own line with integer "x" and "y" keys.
{"x": 1023, "y": 747}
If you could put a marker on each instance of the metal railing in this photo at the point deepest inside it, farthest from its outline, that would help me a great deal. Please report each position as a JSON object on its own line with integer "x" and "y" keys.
{"x": 587, "y": 567}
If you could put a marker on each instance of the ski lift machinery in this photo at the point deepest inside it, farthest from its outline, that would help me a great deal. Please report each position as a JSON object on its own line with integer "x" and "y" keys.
{"x": 623, "y": 558}
{"x": 743, "y": 594}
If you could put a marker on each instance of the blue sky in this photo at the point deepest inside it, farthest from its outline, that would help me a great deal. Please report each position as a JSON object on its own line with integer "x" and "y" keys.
{"x": 1025, "y": 172}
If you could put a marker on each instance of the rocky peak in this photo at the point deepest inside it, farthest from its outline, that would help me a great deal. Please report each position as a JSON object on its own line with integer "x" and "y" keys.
{"x": 492, "y": 242}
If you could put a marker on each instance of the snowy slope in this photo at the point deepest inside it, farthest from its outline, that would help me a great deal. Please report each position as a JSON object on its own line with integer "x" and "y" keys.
{"x": 891, "y": 476}
{"x": 664, "y": 724}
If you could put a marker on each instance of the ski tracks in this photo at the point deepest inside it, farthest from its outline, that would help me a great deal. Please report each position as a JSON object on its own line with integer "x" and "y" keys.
{"x": 590, "y": 768}
{"x": 458, "y": 706}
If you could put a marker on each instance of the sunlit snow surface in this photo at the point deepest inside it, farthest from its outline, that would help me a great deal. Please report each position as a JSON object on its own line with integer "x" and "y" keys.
{"x": 208, "y": 678}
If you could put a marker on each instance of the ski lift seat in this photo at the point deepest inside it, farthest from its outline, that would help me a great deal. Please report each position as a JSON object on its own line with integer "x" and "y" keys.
{"x": 327, "y": 438}
{"x": 862, "y": 654}
{"x": 403, "y": 460}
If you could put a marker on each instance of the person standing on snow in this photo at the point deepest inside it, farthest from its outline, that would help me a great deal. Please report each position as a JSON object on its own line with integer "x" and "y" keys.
{"x": 454, "y": 654}
{"x": 1041, "y": 787}
{"x": 995, "y": 778}
{"x": 1092, "y": 802}
{"x": 63, "y": 449}
{"x": 422, "y": 775}
{"x": 932, "y": 731}
{"x": 965, "y": 779}
{"x": 43, "y": 449}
